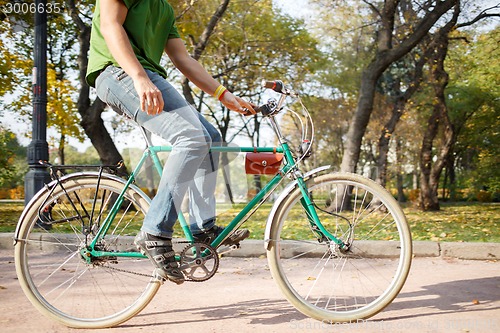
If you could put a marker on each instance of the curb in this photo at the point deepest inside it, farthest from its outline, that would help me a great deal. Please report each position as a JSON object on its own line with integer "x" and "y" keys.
{"x": 466, "y": 251}
{"x": 421, "y": 249}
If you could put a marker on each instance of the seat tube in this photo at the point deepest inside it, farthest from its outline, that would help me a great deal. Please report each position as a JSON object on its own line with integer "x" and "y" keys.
{"x": 185, "y": 227}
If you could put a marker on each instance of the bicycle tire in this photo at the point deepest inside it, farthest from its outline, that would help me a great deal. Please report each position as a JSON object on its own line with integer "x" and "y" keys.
{"x": 320, "y": 279}
{"x": 51, "y": 269}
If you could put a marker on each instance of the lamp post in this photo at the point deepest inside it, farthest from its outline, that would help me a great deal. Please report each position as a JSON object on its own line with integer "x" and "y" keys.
{"x": 38, "y": 149}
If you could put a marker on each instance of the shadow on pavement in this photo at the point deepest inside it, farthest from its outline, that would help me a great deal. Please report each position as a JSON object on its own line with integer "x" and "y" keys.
{"x": 449, "y": 297}
{"x": 261, "y": 311}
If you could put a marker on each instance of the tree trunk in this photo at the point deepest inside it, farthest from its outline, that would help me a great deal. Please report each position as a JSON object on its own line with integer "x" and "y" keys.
{"x": 386, "y": 54}
{"x": 399, "y": 170}
{"x": 60, "y": 151}
{"x": 430, "y": 172}
{"x": 397, "y": 111}
{"x": 92, "y": 122}
{"x": 450, "y": 167}
{"x": 428, "y": 199}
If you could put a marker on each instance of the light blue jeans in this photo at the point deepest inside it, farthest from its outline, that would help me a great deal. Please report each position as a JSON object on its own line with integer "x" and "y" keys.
{"x": 190, "y": 167}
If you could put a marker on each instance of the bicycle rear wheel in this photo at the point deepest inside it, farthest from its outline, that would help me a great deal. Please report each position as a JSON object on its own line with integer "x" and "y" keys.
{"x": 51, "y": 266}
{"x": 324, "y": 280}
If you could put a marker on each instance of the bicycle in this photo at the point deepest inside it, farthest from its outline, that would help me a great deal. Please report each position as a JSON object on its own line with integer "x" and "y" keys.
{"x": 338, "y": 244}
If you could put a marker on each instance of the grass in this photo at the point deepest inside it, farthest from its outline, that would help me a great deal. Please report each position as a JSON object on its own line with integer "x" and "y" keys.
{"x": 456, "y": 222}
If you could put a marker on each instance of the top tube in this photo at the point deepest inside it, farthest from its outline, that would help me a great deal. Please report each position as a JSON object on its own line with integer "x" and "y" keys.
{"x": 233, "y": 149}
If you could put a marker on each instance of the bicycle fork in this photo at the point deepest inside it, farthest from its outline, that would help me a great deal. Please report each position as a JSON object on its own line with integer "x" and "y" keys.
{"x": 317, "y": 227}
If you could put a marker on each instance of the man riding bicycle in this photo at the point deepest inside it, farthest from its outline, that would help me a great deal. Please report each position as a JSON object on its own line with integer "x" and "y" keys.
{"x": 127, "y": 42}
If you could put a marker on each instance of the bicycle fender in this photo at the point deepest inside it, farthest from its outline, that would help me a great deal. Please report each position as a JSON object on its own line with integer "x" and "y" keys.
{"x": 53, "y": 183}
{"x": 284, "y": 194}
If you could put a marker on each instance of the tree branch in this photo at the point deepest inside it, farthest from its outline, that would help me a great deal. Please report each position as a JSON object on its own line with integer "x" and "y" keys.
{"x": 479, "y": 17}
{"x": 74, "y": 15}
{"x": 188, "y": 8}
{"x": 420, "y": 30}
{"x": 372, "y": 6}
{"x": 209, "y": 29}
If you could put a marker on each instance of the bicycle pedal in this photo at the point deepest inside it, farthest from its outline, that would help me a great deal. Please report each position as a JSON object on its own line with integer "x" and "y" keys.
{"x": 229, "y": 249}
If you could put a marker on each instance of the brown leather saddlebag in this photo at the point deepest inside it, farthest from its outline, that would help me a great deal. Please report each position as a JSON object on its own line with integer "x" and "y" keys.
{"x": 263, "y": 163}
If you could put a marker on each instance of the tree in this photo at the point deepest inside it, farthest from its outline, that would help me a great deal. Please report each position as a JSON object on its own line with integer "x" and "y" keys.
{"x": 389, "y": 49}
{"x": 6, "y": 60}
{"x": 431, "y": 164}
{"x": 61, "y": 115}
{"x": 406, "y": 37}
{"x": 90, "y": 111}
{"x": 398, "y": 27}
{"x": 431, "y": 170}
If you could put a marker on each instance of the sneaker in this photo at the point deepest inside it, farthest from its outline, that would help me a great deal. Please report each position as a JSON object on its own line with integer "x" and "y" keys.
{"x": 234, "y": 239}
{"x": 159, "y": 251}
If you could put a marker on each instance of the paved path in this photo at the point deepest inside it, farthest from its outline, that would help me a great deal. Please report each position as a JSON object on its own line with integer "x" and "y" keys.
{"x": 441, "y": 295}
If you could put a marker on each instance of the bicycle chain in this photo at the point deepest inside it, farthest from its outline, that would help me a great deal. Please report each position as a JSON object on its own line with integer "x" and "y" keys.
{"x": 127, "y": 271}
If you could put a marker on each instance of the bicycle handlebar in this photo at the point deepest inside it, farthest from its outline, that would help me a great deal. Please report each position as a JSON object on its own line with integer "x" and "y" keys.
{"x": 272, "y": 107}
{"x": 277, "y": 86}
{"x": 274, "y": 85}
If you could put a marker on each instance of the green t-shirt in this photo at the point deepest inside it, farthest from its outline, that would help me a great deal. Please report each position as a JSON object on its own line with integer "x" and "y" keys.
{"x": 149, "y": 24}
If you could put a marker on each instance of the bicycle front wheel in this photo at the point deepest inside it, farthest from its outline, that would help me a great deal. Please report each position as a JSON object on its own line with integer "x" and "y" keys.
{"x": 331, "y": 282}
{"x": 56, "y": 274}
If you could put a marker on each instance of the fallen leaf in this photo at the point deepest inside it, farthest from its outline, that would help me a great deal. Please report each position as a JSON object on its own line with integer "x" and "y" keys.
{"x": 475, "y": 301}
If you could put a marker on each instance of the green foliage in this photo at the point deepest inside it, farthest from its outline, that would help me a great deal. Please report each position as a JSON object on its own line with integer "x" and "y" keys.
{"x": 17, "y": 32}
{"x": 6, "y": 156}
{"x": 88, "y": 157}
{"x": 12, "y": 160}
{"x": 474, "y": 102}
{"x": 476, "y": 222}
{"x": 253, "y": 41}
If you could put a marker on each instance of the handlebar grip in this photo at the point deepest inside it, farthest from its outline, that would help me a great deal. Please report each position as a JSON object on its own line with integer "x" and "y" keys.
{"x": 259, "y": 109}
{"x": 277, "y": 85}
{"x": 264, "y": 110}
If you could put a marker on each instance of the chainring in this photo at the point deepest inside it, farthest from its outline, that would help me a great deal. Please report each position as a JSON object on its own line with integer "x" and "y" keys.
{"x": 199, "y": 262}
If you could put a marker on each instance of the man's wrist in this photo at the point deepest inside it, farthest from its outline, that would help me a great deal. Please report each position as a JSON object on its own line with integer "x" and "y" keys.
{"x": 219, "y": 92}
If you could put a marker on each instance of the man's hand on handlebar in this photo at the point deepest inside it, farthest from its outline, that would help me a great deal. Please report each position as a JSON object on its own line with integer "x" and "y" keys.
{"x": 238, "y": 104}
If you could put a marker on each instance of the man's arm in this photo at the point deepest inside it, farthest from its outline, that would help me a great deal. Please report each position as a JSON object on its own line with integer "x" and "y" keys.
{"x": 113, "y": 14}
{"x": 196, "y": 73}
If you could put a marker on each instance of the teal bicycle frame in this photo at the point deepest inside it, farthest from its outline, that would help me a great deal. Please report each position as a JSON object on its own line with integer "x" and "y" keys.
{"x": 290, "y": 167}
